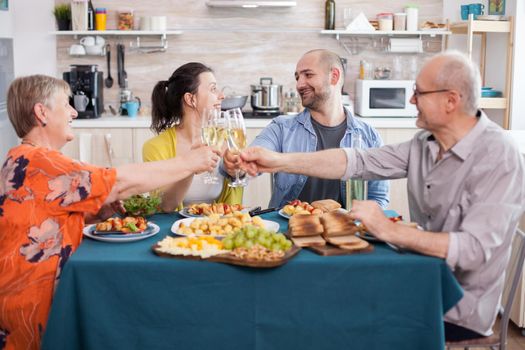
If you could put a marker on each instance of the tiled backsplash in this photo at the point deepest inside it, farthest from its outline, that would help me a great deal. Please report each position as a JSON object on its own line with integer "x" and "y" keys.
{"x": 234, "y": 43}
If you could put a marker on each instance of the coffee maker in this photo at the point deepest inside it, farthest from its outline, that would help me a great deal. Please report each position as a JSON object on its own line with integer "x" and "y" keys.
{"x": 86, "y": 80}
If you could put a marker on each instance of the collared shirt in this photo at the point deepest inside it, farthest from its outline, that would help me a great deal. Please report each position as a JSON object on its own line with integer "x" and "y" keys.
{"x": 296, "y": 134}
{"x": 476, "y": 193}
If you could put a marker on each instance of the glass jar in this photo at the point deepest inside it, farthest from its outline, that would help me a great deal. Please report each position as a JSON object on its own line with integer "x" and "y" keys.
{"x": 125, "y": 19}
{"x": 100, "y": 18}
{"x": 386, "y": 21}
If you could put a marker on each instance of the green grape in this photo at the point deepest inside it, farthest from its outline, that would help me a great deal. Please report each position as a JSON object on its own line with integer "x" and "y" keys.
{"x": 275, "y": 247}
{"x": 227, "y": 243}
{"x": 248, "y": 244}
{"x": 251, "y": 233}
{"x": 239, "y": 241}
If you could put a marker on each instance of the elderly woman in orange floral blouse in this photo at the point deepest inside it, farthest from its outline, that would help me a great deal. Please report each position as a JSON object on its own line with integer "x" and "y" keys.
{"x": 46, "y": 198}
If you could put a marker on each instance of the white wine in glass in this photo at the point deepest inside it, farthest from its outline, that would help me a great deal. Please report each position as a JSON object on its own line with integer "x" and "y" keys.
{"x": 210, "y": 137}
{"x": 236, "y": 140}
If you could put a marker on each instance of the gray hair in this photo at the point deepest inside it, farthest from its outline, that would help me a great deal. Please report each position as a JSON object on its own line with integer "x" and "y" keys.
{"x": 458, "y": 72}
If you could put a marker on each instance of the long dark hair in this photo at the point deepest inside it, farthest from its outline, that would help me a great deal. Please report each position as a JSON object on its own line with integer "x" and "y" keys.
{"x": 167, "y": 96}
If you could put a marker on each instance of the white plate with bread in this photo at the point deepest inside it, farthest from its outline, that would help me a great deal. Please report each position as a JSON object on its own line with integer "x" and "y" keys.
{"x": 296, "y": 207}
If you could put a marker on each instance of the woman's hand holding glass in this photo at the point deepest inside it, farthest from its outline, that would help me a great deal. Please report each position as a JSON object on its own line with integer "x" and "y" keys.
{"x": 212, "y": 135}
{"x": 236, "y": 140}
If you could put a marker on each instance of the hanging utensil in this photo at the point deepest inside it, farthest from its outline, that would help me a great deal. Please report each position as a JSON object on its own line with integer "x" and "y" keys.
{"x": 120, "y": 66}
{"x": 109, "y": 80}
{"x": 124, "y": 73}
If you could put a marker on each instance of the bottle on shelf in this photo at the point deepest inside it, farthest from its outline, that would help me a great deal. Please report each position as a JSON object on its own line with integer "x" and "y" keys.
{"x": 329, "y": 19}
{"x": 91, "y": 16}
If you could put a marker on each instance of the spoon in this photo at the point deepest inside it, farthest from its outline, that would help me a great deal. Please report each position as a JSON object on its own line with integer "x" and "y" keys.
{"x": 109, "y": 80}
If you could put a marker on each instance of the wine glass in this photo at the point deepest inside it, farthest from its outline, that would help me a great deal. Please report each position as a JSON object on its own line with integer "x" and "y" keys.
{"x": 236, "y": 140}
{"x": 210, "y": 137}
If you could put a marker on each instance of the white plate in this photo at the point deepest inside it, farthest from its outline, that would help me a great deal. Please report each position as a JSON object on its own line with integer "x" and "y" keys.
{"x": 269, "y": 225}
{"x": 184, "y": 212}
{"x": 152, "y": 230}
{"x": 284, "y": 215}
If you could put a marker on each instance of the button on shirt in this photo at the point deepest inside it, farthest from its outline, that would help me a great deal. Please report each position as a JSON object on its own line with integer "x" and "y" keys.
{"x": 476, "y": 193}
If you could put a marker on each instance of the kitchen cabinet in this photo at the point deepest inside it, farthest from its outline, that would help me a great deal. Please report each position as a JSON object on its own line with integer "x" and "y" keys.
{"x": 398, "y": 188}
{"x": 259, "y": 189}
{"x": 477, "y": 27}
{"x": 102, "y": 147}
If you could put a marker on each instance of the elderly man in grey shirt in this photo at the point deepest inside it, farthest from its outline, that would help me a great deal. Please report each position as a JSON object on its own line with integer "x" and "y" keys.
{"x": 466, "y": 187}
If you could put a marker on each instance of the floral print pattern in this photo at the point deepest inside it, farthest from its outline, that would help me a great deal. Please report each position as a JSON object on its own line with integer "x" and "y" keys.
{"x": 12, "y": 177}
{"x": 43, "y": 199}
{"x": 45, "y": 241}
{"x": 72, "y": 187}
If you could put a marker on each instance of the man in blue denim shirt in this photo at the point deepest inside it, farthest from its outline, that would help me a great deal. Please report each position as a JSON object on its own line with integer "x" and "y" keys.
{"x": 324, "y": 124}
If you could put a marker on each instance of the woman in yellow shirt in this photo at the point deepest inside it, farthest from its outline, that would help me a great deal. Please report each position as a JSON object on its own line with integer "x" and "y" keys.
{"x": 177, "y": 107}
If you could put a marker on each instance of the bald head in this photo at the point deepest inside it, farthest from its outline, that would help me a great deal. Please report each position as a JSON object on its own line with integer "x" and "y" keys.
{"x": 452, "y": 70}
{"x": 327, "y": 60}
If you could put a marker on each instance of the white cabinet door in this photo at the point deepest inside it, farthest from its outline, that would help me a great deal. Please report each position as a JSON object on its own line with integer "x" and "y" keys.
{"x": 398, "y": 188}
{"x": 140, "y": 136}
{"x": 259, "y": 189}
{"x": 90, "y": 146}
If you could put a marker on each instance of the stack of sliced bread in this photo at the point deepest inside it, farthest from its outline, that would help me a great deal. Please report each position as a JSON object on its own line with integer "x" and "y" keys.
{"x": 306, "y": 230}
{"x": 334, "y": 227}
{"x": 340, "y": 230}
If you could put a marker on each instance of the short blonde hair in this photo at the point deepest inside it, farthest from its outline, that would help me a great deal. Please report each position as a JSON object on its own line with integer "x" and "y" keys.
{"x": 24, "y": 93}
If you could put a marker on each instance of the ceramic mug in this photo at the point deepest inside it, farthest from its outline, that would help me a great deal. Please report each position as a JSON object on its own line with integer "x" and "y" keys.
{"x": 132, "y": 107}
{"x": 77, "y": 49}
{"x": 88, "y": 41}
{"x": 476, "y": 9}
{"x": 464, "y": 12}
{"x": 80, "y": 102}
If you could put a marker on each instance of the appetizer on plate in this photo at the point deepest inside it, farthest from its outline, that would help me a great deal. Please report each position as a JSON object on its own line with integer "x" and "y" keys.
{"x": 128, "y": 224}
{"x": 252, "y": 243}
{"x": 315, "y": 208}
{"x": 206, "y": 209}
{"x": 216, "y": 225}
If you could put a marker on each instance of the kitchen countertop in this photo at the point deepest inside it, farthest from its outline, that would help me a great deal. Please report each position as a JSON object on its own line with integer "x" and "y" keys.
{"x": 111, "y": 121}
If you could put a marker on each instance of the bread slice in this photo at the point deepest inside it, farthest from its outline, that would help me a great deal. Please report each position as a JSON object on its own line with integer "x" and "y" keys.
{"x": 310, "y": 241}
{"x": 326, "y": 205}
{"x": 355, "y": 246}
{"x": 306, "y": 230}
{"x": 339, "y": 240}
{"x": 301, "y": 220}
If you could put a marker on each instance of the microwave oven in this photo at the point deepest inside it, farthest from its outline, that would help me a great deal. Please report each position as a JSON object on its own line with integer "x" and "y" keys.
{"x": 384, "y": 98}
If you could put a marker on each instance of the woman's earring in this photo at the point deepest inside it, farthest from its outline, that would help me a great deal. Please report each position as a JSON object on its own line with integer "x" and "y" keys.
{"x": 44, "y": 123}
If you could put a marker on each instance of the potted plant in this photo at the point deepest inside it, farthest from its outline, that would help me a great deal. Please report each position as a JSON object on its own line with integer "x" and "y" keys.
{"x": 62, "y": 14}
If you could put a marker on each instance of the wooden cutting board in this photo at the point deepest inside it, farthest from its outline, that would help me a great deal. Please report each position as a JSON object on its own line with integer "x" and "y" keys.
{"x": 233, "y": 260}
{"x": 329, "y": 250}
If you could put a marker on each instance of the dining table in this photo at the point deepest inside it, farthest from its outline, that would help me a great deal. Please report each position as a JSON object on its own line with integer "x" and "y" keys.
{"x": 124, "y": 296}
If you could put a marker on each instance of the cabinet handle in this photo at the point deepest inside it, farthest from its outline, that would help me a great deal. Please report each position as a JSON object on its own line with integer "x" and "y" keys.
{"x": 109, "y": 149}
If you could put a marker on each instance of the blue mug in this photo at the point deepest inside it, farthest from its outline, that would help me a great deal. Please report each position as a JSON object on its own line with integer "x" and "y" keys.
{"x": 132, "y": 107}
{"x": 464, "y": 12}
{"x": 476, "y": 9}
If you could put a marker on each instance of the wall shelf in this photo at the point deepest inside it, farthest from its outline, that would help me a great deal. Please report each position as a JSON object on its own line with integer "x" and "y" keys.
{"x": 400, "y": 33}
{"x": 161, "y": 47}
{"x": 473, "y": 27}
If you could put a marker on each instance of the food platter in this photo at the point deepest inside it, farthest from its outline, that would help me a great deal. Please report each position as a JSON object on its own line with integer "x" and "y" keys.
{"x": 228, "y": 258}
{"x": 185, "y": 213}
{"x": 118, "y": 237}
{"x": 269, "y": 225}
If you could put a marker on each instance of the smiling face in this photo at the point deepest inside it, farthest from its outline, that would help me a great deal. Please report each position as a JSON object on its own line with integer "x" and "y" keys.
{"x": 59, "y": 115}
{"x": 208, "y": 95}
{"x": 312, "y": 81}
{"x": 432, "y": 107}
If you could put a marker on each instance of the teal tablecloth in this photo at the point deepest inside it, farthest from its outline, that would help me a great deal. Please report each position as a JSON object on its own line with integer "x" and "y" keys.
{"x": 123, "y": 296}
